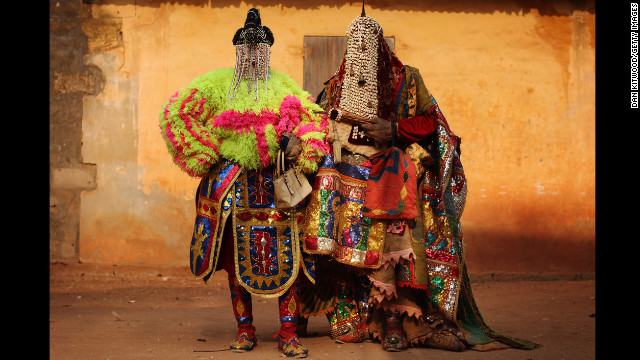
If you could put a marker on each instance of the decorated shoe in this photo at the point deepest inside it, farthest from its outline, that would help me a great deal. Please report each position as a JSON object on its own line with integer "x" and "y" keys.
{"x": 395, "y": 340}
{"x": 292, "y": 347}
{"x": 350, "y": 334}
{"x": 244, "y": 342}
{"x": 365, "y": 333}
{"x": 445, "y": 340}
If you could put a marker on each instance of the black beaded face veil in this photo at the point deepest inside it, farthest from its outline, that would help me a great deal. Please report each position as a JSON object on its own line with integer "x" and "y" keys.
{"x": 253, "y": 47}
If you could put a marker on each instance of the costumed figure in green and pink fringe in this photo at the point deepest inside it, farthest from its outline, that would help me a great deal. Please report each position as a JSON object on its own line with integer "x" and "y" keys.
{"x": 384, "y": 215}
{"x": 226, "y": 127}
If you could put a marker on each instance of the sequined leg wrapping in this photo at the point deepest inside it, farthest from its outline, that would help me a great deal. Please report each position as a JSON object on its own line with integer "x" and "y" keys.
{"x": 364, "y": 308}
{"x": 289, "y": 311}
{"x": 243, "y": 311}
{"x": 344, "y": 318}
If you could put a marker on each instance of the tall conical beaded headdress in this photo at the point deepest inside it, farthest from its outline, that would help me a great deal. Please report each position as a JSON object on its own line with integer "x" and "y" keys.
{"x": 360, "y": 87}
{"x": 253, "y": 47}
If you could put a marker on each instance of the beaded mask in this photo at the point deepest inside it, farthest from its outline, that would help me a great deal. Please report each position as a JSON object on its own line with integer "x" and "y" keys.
{"x": 360, "y": 86}
{"x": 253, "y": 47}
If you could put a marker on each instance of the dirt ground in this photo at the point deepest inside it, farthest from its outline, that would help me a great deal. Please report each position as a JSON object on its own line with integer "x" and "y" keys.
{"x": 110, "y": 312}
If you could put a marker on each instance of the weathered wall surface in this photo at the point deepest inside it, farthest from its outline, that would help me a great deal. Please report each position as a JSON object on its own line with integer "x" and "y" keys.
{"x": 515, "y": 79}
{"x": 70, "y": 79}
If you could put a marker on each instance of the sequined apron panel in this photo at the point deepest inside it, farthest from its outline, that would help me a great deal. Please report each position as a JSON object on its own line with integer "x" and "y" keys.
{"x": 333, "y": 223}
{"x": 267, "y": 249}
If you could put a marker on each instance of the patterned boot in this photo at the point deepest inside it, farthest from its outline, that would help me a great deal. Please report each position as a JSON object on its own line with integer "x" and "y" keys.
{"x": 289, "y": 309}
{"x": 344, "y": 318}
{"x": 242, "y": 309}
{"x": 394, "y": 340}
{"x": 448, "y": 337}
{"x": 445, "y": 340}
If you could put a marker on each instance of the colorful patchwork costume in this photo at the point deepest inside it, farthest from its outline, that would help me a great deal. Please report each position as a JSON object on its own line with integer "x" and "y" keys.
{"x": 400, "y": 280}
{"x": 226, "y": 127}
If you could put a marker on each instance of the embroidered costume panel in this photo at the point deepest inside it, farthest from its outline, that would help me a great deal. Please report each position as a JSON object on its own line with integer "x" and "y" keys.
{"x": 213, "y": 205}
{"x": 334, "y": 224}
{"x": 267, "y": 251}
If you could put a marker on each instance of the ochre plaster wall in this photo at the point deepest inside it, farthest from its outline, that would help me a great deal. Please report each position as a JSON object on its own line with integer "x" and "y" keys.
{"x": 515, "y": 82}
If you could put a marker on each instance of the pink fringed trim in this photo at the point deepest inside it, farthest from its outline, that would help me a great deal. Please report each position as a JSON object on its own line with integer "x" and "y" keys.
{"x": 292, "y": 114}
{"x": 176, "y": 137}
{"x": 243, "y": 123}
{"x": 309, "y": 158}
{"x": 392, "y": 258}
{"x": 172, "y": 99}
{"x": 183, "y": 164}
{"x": 263, "y": 147}
{"x": 290, "y": 109}
{"x": 247, "y": 123}
{"x": 317, "y": 145}
{"x": 324, "y": 123}
{"x": 307, "y": 128}
{"x": 202, "y": 135}
{"x": 178, "y": 160}
{"x": 172, "y": 138}
{"x": 168, "y": 129}
{"x": 197, "y": 110}
{"x": 295, "y": 105}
